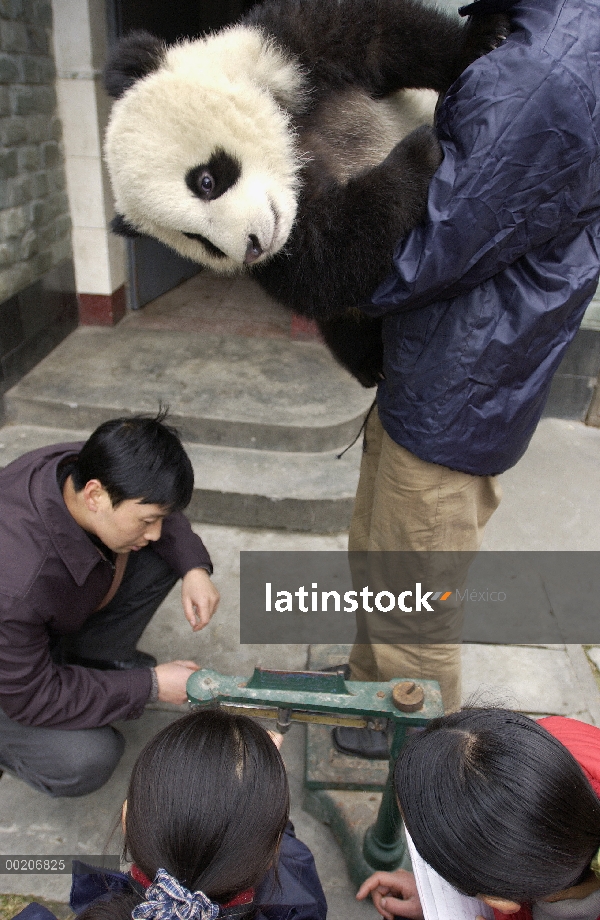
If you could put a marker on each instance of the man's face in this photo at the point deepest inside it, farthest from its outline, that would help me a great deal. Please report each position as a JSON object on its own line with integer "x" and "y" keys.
{"x": 129, "y": 526}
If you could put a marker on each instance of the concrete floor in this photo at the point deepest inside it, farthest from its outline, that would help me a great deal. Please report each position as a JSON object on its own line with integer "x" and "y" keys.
{"x": 558, "y": 679}
{"x": 551, "y": 502}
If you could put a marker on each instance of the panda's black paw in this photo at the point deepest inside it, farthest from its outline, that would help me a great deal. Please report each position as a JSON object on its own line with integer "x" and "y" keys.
{"x": 419, "y": 149}
{"x": 499, "y": 34}
{"x": 369, "y": 376}
{"x": 483, "y": 33}
{"x": 355, "y": 341}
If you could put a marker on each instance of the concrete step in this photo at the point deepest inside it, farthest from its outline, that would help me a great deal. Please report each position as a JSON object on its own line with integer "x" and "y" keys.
{"x": 223, "y": 390}
{"x": 241, "y": 487}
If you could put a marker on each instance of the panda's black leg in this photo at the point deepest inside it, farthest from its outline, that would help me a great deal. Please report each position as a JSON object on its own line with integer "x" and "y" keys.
{"x": 482, "y": 34}
{"x": 342, "y": 245}
{"x": 355, "y": 341}
{"x": 380, "y": 46}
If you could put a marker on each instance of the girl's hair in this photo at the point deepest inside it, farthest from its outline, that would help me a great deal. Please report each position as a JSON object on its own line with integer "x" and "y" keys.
{"x": 208, "y": 801}
{"x": 497, "y": 806}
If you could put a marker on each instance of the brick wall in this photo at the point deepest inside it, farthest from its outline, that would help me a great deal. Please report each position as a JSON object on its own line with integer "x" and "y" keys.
{"x": 34, "y": 211}
{"x": 35, "y": 240}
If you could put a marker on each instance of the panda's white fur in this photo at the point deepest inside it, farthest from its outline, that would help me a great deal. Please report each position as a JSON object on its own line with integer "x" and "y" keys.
{"x": 381, "y": 124}
{"x": 233, "y": 90}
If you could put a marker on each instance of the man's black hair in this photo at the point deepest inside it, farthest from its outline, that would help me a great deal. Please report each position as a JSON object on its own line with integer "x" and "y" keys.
{"x": 137, "y": 457}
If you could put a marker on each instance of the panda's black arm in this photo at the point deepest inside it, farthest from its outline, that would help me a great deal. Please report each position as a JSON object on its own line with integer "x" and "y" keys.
{"x": 381, "y": 45}
{"x": 341, "y": 246}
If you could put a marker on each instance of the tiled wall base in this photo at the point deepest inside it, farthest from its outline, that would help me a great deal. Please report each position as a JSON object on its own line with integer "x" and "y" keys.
{"x": 34, "y": 321}
{"x": 102, "y": 309}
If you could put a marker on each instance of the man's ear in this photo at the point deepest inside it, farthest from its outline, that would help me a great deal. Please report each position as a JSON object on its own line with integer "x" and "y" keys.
{"x": 132, "y": 58}
{"x": 121, "y": 226}
{"x": 94, "y": 495}
{"x": 501, "y": 904}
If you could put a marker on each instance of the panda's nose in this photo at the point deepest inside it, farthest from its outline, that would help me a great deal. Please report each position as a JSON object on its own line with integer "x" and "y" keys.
{"x": 253, "y": 250}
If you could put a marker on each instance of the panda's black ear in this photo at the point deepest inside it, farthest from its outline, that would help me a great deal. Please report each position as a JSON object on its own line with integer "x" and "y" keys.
{"x": 122, "y": 227}
{"x": 133, "y": 57}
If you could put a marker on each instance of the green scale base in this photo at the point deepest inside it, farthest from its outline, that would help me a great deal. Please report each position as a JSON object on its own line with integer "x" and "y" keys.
{"x": 343, "y": 792}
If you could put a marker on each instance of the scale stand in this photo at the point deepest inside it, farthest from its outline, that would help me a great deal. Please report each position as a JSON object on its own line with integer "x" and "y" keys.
{"x": 367, "y": 827}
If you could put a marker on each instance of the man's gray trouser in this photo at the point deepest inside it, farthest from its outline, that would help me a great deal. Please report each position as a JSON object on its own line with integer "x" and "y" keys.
{"x": 63, "y": 762}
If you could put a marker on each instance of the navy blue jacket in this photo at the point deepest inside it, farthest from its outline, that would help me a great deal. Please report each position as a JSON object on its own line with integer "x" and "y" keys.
{"x": 299, "y": 895}
{"x": 489, "y": 292}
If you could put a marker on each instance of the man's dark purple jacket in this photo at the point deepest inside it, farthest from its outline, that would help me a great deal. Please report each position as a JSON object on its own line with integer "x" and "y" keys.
{"x": 52, "y": 578}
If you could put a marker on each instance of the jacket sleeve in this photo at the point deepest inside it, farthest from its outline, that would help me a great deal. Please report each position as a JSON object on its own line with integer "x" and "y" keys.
{"x": 36, "y": 691}
{"x": 90, "y": 884}
{"x": 35, "y": 911}
{"x": 520, "y": 166}
{"x": 180, "y": 547}
{"x": 296, "y": 893}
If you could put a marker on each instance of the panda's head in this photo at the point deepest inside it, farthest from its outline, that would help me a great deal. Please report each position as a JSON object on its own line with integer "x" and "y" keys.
{"x": 200, "y": 148}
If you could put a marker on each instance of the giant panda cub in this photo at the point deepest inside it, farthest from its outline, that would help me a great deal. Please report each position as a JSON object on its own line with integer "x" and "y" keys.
{"x": 288, "y": 145}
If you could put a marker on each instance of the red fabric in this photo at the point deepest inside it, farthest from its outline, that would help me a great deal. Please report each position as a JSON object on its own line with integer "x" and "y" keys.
{"x": 583, "y": 742}
{"x": 140, "y": 877}
{"x": 244, "y": 897}
{"x": 523, "y": 914}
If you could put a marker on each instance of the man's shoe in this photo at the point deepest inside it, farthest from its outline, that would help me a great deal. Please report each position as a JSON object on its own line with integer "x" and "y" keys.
{"x": 137, "y": 660}
{"x": 361, "y": 742}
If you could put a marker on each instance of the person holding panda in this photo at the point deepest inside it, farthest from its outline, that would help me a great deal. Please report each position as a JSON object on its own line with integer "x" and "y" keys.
{"x": 485, "y": 296}
{"x": 490, "y": 229}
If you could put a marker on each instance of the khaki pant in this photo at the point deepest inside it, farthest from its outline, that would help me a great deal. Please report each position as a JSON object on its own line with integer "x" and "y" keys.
{"x": 406, "y": 504}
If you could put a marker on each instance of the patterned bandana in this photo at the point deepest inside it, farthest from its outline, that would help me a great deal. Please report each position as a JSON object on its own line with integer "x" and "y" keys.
{"x": 166, "y": 899}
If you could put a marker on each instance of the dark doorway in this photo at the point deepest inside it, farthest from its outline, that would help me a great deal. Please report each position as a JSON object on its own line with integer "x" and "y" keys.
{"x": 154, "y": 268}
{"x": 178, "y": 18}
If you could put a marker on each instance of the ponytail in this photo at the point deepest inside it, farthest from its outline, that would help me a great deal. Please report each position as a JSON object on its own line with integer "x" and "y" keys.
{"x": 207, "y": 803}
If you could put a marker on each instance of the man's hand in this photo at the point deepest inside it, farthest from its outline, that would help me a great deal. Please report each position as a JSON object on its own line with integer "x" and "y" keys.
{"x": 199, "y": 597}
{"x": 172, "y": 678}
{"x": 394, "y": 894}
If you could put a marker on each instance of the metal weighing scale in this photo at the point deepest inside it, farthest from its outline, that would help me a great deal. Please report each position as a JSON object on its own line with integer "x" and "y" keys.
{"x": 367, "y": 827}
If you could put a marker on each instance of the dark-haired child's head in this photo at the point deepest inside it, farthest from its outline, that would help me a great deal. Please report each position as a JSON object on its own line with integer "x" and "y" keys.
{"x": 137, "y": 458}
{"x": 208, "y": 801}
{"x": 497, "y": 806}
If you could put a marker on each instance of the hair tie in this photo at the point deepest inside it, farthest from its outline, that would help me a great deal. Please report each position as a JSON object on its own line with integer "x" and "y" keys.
{"x": 595, "y": 863}
{"x": 166, "y": 899}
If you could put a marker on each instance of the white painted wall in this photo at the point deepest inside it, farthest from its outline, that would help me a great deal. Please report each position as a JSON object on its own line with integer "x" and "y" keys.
{"x": 80, "y": 52}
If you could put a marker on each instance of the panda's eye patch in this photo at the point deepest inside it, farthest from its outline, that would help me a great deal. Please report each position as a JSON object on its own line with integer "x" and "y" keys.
{"x": 211, "y": 180}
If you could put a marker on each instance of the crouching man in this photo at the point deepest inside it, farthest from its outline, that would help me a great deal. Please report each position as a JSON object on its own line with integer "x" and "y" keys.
{"x": 92, "y": 539}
